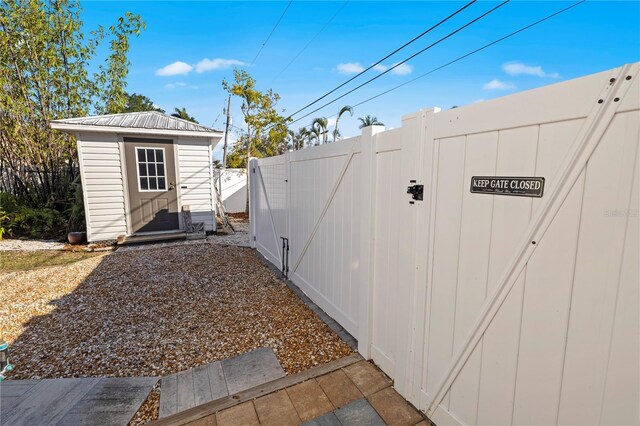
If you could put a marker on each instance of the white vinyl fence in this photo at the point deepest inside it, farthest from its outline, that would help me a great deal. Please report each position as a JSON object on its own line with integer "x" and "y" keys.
{"x": 485, "y": 308}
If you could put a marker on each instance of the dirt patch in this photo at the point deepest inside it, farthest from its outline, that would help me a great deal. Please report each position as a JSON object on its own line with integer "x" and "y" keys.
{"x": 241, "y": 216}
{"x": 155, "y": 312}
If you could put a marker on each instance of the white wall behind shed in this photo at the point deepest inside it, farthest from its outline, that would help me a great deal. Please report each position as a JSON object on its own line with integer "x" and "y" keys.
{"x": 234, "y": 189}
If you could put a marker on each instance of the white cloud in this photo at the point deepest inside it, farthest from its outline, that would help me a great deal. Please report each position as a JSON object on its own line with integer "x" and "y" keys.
{"x": 174, "y": 85}
{"x": 403, "y": 69}
{"x": 518, "y": 68}
{"x": 176, "y": 68}
{"x": 180, "y": 84}
{"x": 496, "y": 84}
{"x": 217, "y": 64}
{"x": 349, "y": 68}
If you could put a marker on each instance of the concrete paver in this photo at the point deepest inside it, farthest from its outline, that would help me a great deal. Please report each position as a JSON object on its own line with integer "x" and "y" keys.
{"x": 367, "y": 377}
{"x": 73, "y": 400}
{"x": 309, "y": 400}
{"x": 205, "y": 421}
{"x": 192, "y": 387}
{"x": 241, "y": 415}
{"x": 359, "y": 412}
{"x": 393, "y": 408}
{"x": 336, "y": 398}
{"x": 339, "y": 388}
{"x": 251, "y": 369}
{"x": 328, "y": 419}
{"x": 276, "y": 409}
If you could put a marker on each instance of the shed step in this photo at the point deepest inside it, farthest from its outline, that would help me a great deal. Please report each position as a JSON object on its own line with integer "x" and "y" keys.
{"x": 135, "y": 239}
{"x": 196, "y": 386}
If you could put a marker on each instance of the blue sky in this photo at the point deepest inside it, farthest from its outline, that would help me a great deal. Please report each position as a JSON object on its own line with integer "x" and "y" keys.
{"x": 206, "y": 39}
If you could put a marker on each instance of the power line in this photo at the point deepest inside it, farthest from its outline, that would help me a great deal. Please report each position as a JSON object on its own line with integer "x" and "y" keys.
{"x": 386, "y": 57}
{"x": 405, "y": 60}
{"x": 471, "y": 53}
{"x": 311, "y": 41}
{"x": 271, "y": 33}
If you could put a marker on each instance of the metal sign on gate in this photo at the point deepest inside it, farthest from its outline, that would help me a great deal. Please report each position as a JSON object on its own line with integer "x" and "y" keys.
{"x": 504, "y": 185}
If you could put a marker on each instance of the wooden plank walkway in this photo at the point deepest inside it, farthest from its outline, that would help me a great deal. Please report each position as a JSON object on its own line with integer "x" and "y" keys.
{"x": 87, "y": 401}
{"x": 206, "y": 383}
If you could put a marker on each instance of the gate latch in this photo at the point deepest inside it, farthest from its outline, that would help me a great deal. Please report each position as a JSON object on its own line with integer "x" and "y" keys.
{"x": 416, "y": 191}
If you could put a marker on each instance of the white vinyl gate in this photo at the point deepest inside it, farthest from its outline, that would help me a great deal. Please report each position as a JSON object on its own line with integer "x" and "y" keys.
{"x": 483, "y": 308}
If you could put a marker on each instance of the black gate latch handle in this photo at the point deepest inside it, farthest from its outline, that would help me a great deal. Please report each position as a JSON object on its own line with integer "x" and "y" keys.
{"x": 416, "y": 191}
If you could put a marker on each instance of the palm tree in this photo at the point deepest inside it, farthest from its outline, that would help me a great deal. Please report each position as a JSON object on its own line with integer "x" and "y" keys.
{"x": 344, "y": 109}
{"x": 297, "y": 138}
{"x": 320, "y": 124}
{"x": 369, "y": 121}
{"x": 182, "y": 113}
{"x": 315, "y": 134}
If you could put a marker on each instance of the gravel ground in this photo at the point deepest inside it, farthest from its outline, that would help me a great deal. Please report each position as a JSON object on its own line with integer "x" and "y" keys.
{"x": 155, "y": 312}
{"x": 28, "y": 245}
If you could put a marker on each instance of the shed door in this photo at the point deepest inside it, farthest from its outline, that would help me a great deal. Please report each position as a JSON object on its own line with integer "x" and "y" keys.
{"x": 151, "y": 177}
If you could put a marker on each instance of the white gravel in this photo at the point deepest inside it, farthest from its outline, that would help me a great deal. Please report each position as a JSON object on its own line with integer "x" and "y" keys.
{"x": 30, "y": 245}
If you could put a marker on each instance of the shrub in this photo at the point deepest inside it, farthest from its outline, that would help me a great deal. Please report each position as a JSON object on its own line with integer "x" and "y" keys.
{"x": 20, "y": 220}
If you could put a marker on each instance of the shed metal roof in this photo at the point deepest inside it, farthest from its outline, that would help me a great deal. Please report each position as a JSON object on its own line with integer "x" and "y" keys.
{"x": 148, "y": 120}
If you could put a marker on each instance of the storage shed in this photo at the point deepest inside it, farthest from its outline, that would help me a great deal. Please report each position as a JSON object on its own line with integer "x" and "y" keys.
{"x": 141, "y": 170}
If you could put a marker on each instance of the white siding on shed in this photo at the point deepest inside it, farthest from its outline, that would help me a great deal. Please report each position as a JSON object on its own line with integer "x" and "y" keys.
{"x": 102, "y": 186}
{"x": 195, "y": 173}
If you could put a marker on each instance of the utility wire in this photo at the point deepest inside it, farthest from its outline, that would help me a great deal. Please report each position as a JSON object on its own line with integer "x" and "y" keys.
{"x": 271, "y": 33}
{"x": 471, "y": 53}
{"x": 405, "y": 60}
{"x": 311, "y": 41}
{"x": 385, "y": 58}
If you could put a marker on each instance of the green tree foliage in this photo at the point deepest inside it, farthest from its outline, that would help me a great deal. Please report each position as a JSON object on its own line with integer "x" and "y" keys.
{"x": 343, "y": 110}
{"x": 369, "y": 121}
{"x": 45, "y": 59}
{"x": 266, "y": 128}
{"x": 319, "y": 129}
{"x": 237, "y": 156}
{"x": 297, "y": 140}
{"x": 183, "y": 114}
{"x": 139, "y": 103}
{"x": 318, "y": 133}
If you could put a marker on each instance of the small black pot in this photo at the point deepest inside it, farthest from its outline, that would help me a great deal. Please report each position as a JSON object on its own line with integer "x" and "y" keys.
{"x": 76, "y": 237}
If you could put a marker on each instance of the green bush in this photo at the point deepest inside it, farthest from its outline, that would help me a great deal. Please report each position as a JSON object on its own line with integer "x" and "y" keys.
{"x": 75, "y": 213}
{"x": 20, "y": 220}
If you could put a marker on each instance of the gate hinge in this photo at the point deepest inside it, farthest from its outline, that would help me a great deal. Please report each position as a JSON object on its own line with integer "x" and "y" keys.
{"x": 254, "y": 238}
{"x": 416, "y": 191}
{"x": 253, "y": 169}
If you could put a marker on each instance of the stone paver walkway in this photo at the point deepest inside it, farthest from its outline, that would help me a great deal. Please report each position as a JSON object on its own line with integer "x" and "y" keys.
{"x": 359, "y": 394}
{"x": 216, "y": 380}
{"x": 81, "y": 401}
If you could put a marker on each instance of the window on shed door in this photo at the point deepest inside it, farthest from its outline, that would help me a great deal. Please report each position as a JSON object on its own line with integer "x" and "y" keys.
{"x": 151, "y": 170}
